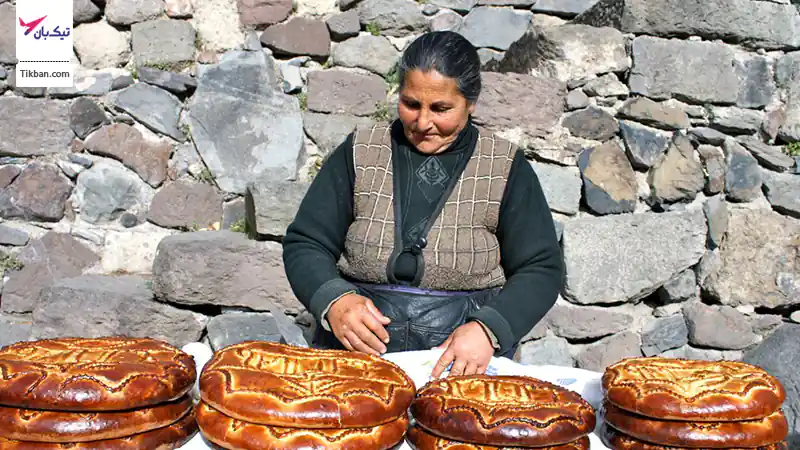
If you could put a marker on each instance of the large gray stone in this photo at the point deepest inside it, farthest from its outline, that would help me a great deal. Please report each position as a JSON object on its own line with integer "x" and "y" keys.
{"x": 733, "y": 120}
{"x": 706, "y": 73}
{"x": 743, "y": 178}
{"x": 658, "y": 115}
{"x": 154, "y": 107}
{"x": 128, "y": 12}
{"x": 609, "y": 181}
{"x": 678, "y": 175}
{"x": 548, "y": 351}
{"x": 39, "y": 192}
{"x": 222, "y": 268}
{"x": 168, "y": 42}
{"x": 368, "y": 52}
{"x": 266, "y": 143}
{"x": 567, "y": 52}
{"x": 186, "y": 205}
{"x": 562, "y": 8}
{"x": 591, "y": 123}
{"x": 101, "y": 305}
{"x": 107, "y": 190}
{"x": 768, "y": 277}
{"x": 757, "y": 85}
{"x": 561, "y": 186}
{"x": 716, "y": 211}
{"x": 721, "y": 327}
{"x": 14, "y": 329}
{"x": 756, "y": 24}
{"x": 480, "y": 26}
{"x": 270, "y": 206}
{"x": 33, "y": 126}
{"x": 8, "y": 35}
{"x": 644, "y": 145}
{"x": 126, "y": 144}
{"x": 682, "y": 287}
{"x": 783, "y": 192}
{"x": 13, "y": 236}
{"x": 603, "y": 353}
{"x": 392, "y": 17}
{"x": 664, "y": 334}
{"x": 769, "y": 156}
{"x": 621, "y": 258}
{"x": 329, "y": 131}
{"x": 236, "y": 327}
{"x": 591, "y": 322}
{"x": 779, "y": 354}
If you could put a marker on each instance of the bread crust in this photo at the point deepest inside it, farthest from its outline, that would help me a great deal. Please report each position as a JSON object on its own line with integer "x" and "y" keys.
{"x": 701, "y": 391}
{"x": 770, "y": 430}
{"x": 234, "y": 434}
{"x": 282, "y": 385}
{"x": 502, "y": 410}
{"x": 58, "y": 426}
{"x": 101, "y": 374}
{"x": 170, "y": 437}
{"x": 420, "y": 439}
{"x": 615, "y": 440}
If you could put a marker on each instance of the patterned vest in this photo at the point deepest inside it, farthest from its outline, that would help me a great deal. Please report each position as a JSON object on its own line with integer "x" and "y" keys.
{"x": 462, "y": 251}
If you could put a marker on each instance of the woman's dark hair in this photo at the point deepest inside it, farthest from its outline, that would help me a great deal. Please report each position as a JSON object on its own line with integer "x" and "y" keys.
{"x": 448, "y": 53}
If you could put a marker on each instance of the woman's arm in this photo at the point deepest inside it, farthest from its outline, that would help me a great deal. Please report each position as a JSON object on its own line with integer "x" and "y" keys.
{"x": 530, "y": 256}
{"x": 314, "y": 240}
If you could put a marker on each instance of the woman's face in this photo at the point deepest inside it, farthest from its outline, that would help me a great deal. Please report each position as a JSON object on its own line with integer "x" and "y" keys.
{"x": 432, "y": 110}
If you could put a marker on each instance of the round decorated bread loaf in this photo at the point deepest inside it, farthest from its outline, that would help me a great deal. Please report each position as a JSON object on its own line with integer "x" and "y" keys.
{"x": 234, "y": 434}
{"x": 101, "y": 374}
{"x": 60, "y": 426}
{"x": 502, "y": 411}
{"x": 287, "y": 386}
{"x": 692, "y": 390}
{"x": 752, "y": 433}
{"x": 615, "y": 440}
{"x": 170, "y": 437}
{"x": 420, "y": 439}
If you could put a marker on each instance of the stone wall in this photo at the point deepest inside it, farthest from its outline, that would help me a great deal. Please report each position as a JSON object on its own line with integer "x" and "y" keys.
{"x": 663, "y": 131}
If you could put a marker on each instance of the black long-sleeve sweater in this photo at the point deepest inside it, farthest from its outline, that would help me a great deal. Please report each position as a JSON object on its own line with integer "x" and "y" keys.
{"x": 530, "y": 254}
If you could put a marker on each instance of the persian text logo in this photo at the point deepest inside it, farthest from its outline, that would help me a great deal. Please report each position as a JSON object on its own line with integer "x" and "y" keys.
{"x": 44, "y": 43}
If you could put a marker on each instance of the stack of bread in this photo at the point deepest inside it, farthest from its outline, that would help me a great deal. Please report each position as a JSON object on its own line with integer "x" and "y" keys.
{"x": 270, "y": 396}
{"x": 105, "y": 393}
{"x": 480, "y": 412}
{"x": 673, "y": 404}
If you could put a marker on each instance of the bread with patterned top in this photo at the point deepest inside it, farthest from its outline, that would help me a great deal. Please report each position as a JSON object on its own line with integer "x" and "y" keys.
{"x": 692, "y": 390}
{"x": 615, "y": 440}
{"x": 502, "y": 411}
{"x": 93, "y": 374}
{"x": 288, "y": 386}
{"x": 420, "y": 439}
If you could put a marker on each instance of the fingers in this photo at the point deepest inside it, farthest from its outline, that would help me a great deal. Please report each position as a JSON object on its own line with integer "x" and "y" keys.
{"x": 375, "y": 312}
{"x": 359, "y": 345}
{"x": 471, "y": 369}
{"x": 446, "y": 343}
{"x": 458, "y": 367}
{"x": 444, "y": 361}
{"x": 377, "y": 331}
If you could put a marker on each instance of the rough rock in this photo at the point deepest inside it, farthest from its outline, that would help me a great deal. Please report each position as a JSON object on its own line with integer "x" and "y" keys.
{"x": 132, "y": 250}
{"x": 13, "y": 236}
{"x": 732, "y": 120}
{"x": 783, "y": 192}
{"x": 218, "y": 24}
{"x": 328, "y": 131}
{"x": 187, "y": 205}
{"x": 8, "y": 174}
{"x": 179, "y": 9}
{"x": 562, "y": 8}
{"x": 33, "y": 126}
{"x": 100, "y": 45}
{"x": 222, "y": 268}
{"x": 344, "y": 25}
{"x": 257, "y": 13}
{"x": 623, "y": 258}
{"x": 298, "y": 36}
{"x": 707, "y": 135}
{"x": 244, "y": 84}
{"x": 567, "y": 52}
{"x": 779, "y": 354}
{"x": 678, "y": 174}
{"x": 722, "y": 328}
{"x": 770, "y": 156}
{"x": 577, "y": 99}
{"x": 664, "y": 334}
{"x": 97, "y": 305}
{"x": 176, "y": 83}
{"x": 392, "y": 17}
{"x": 561, "y": 186}
{"x": 706, "y": 73}
{"x": 8, "y": 27}
{"x": 743, "y": 178}
{"x": 85, "y": 116}
{"x": 658, "y": 115}
{"x": 154, "y": 107}
{"x": 108, "y": 189}
{"x": 447, "y": 20}
{"x": 757, "y": 84}
{"x": 270, "y": 206}
{"x": 480, "y": 26}
{"x": 373, "y": 53}
{"x": 341, "y": 92}
{"x": 53, "y": 256}
{"x": 586, "y": 323}
{"x": 163, "y": 41}
{"x": 127, "y": 145}
{"x": 716, "y": 168}
{"x": 607, "y": 85}
{"x": 128, "y": 12}
{"x": 601, "y": 354}
{"x": 609, "y": 182}
{"x": 461, "y": 6}
{"x": 39, "y": 192}
{"x": 643, "y": 145}
{"x": 236, "y": 327}
{"x": 764, "y": 278}
{"x": 14, "y": 329}
{"x": 716, "y": 211}
{"x": 681, "y": 288}
{"x": 501, "y": 110}
{"x": 548, "y": 351}
{"x": 756, "y": 24}
{"x": 591, "y": 123}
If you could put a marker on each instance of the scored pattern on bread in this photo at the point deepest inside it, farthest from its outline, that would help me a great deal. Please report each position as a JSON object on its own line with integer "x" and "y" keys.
{"x": 420, "y": 439}
{"x": 679, "y": 389}
{"x": 754, "y": 433}
{"x": 235, "y": 434}
{"x": 615, "y": 440}
{"x": 85, "y": 374}
{"x": 503, "y": 410}
{"x": 60, "y": 426}
{"x": 281, "y": 385}
{"x": 171, "y": 437}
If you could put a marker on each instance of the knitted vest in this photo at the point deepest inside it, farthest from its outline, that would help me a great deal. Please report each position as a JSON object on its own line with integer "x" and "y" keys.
{"x": 462, "y": 251}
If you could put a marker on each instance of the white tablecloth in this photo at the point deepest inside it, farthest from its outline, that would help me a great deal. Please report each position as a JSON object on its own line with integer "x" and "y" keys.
{"x": 419, "y": 364}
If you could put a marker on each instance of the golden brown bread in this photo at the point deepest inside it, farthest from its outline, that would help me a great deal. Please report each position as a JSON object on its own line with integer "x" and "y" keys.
{"x": 167, "y": 438}
{"x": 420, "y": 439}
{"x": 102, "y": 374}
{"x": 502, "y": 410}
{"x": 615, "y": 440}
{"x": 770, "y": 430}
{"x": 235, "y": 434}
{"x": 282, "y": 385}
{"x": 679, "y": 389}
{"x": 59, "y": 426}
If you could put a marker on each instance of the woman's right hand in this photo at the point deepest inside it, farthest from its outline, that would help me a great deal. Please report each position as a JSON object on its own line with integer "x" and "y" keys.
{"x": 358, "y": 324}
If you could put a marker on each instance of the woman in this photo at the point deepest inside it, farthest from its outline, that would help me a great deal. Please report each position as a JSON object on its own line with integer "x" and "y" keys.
{"x": 425, "y": 232}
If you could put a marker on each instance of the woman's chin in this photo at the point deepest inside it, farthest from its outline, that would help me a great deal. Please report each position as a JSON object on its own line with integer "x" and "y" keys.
{"x": 428, "y": 146}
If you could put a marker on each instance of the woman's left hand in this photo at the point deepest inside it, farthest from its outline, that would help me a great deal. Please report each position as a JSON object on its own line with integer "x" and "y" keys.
{"x": 468, "y": 348}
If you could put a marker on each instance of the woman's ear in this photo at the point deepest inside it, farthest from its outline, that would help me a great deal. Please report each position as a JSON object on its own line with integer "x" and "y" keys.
{"x": 471, "y": 108}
